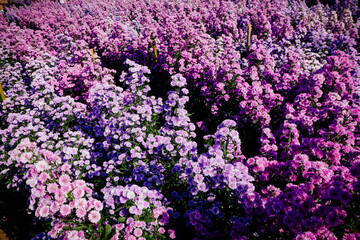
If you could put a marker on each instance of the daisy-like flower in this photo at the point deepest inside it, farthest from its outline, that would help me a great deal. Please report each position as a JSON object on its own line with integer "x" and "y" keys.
{"x": 65, "y": 188}
{"x": 44, "y": 211}
{"x": 65, "y": 210}
{"x": 94, "y": 216}
{"x": 80, "y": 212}
{"x": 98, "y": 205}
{"x": 137, "y": 232}
{"x": 64, "y": 179}
{"x": 41, "y": 166}
{"x": 43, "y": 177}
{"x": 52, "y": 187}
{"x": 80, "y": 203}
{"x": 78, "y": 192}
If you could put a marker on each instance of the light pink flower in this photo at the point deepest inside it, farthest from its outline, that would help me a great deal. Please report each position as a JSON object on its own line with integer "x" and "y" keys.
{"x": 81, "y": 203}
{"x": 25, "y": 157}
{"x": 78, "y": 192}
{"x": 98, "y": 205}
{"x": 49, "y": 156}
{"x": 65, "y": 210}
{"x": 80, "y": 212}
{"x": 65, "y": 167}
{"x": 130, "y": 194}
{"x": 64, "y": 179}
{"x": 66, "y": 188}
{"x": 133, "y": 210}
{"x": 43, "y": 177}
{"x": 54, "y": 207}
{"x": 41, "y": 166}
{"x": 139, "y": 224}
{"x": 52, "y": 187}
{"x": 79, "y": 183}
{"x": 31, "y": 182}
{"x": 141, "y": 204}
{"x": 94, "y": 216}
{"x": 44, "y": 211}
{"x": 59, "y": 196}
{"x": 137, "y": 232}
{"x": 39, "y": 191}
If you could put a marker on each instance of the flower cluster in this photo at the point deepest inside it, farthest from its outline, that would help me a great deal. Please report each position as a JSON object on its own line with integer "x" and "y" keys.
{"x": 216, "y": 119}
{"x": 54, "y": 194}
{"x": 138, "y": 212}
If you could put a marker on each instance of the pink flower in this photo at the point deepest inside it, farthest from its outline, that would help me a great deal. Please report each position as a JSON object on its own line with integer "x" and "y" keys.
{"x": 44, "y": 211}
{"x": 133, "y": 210}
{"x": 52, "y": 187}
{"x": 349, "y": 236}
{"x": 39, "y": 191}
{"x": 120, "y": 226}
{"x": 59, "y": 196}
{"x": 65, "y": 167}
{"x": 41, "y": 166}
{"x": 161, "y": 230}
{"x": 54, "y": 207}
{"x": 64, "y": 179}
{"x": 66, "y": 188}
{"x": 94, "y": 216}
{"x": 140, "y": 224}
{"x": 79, "y": 183}
{"x": 151, "y": 194}
{"x": 137, "y": 232}
{"x": 49, "y": 156}
{"x": 43, "y": 177}
{"x": 65, "y": 210}
{"x": 98, "y": 205}
{"x": 31, "y": 182}
{"x": 81, "y": 203}
{"x": 141, "y": 204}
{"x": 171, "y": 233}
{"x": 78, "y": 192}
{"x": 129, "y": 220}
{"x": 25, "y": 157}
{"x": 80, "y": 212}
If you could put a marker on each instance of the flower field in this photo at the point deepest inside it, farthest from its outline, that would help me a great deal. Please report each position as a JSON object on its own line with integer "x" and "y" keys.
{"x": 176, "y": 119}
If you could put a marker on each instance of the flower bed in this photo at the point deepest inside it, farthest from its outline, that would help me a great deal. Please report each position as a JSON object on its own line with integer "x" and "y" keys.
{"x": 155, "y": 120}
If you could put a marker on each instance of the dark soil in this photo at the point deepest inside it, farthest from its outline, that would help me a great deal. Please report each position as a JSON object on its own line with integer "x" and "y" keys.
{"x": 15, "y": 222}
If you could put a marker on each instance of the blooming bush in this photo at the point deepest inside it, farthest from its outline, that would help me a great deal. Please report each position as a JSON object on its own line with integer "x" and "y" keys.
{"x": 156, "y": 120}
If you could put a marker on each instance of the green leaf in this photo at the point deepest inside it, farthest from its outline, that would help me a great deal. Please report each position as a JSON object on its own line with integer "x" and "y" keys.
{"x": 78, "y": 228}
{"x": 121, "y": 219}
{"x": 107, "y": 230}
{"x": 149, "y": 219}
{"x": 111, "y": 234}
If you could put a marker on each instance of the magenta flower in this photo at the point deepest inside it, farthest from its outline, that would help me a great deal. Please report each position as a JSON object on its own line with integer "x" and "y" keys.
{"x": 171, "y": 233}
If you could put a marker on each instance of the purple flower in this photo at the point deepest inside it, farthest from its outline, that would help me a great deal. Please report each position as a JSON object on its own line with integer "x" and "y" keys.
{"x": 332, "y": 219}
